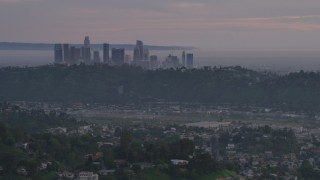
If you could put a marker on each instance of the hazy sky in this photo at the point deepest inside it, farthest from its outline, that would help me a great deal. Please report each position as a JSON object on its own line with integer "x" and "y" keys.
{"x": 218, "y": 24}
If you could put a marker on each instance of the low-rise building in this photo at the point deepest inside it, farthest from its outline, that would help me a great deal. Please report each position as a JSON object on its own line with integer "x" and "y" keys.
{"x": 87, "y": 176}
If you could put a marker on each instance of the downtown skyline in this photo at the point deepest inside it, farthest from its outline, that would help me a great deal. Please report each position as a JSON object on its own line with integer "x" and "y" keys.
{"x": 70, "y": 55}
{"x": 245, "y": 24}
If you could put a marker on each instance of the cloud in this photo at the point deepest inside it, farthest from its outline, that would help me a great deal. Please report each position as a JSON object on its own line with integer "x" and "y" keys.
{"x": 187, "y": 5}
{"x": 171, "y": 21}
{"x": 295, "y": 23}
{"x": 15, "y": 1}
{"x": 166, "y": 22}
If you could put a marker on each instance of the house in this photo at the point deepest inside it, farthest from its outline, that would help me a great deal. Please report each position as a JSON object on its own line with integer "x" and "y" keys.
{"x": 22, "y": 145}
{"x": 66, "y": 175}
{"x": 178, "y": 162}
{"x": 266, "y": 136}
{"x": 45, "y": 165}
{"x": 290, "y": 157}
{"x": 98, "y": 156}
{"x": 273, "y": 164}
{"x": 87, "y": 176}
{"x": 120, "y": 162}
{"x": 274, "y": 176}
{"x": 104, "y": 144}
{"x": 243, "y": 160}
{"x": 170, "y": 131}
{"x": 230, "y": 147}
{"x": 22, "y": 171}
{"x": 84, "y": 129}
{"x": 129, "y": 173}
{"x": 268, "y": 154}
{"x": 105, "y": 128}
{"x": 231, "y": 154}
{"x": 292, "y": 165}
{"x": 105, "y": 172}
{"x": 96, "y": 163}
{"x": 144, "y": 165}
{"x": 255, "y": 163}
{"x": 58, "y": 130}
{"x": 290, "y": 177}
{"x": 249, "y": 173}
{"x": 173, "y": 130}
{"x": 312, "y": 162}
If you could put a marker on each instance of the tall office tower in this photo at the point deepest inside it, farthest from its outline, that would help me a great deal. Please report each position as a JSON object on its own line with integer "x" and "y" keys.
{"x": 138, "y": 51}
{"x": 106, "y": 56}
{"x": 86, "y": 51}
{"x": 117, "y": 56}
{"x": 189, "y": 60}
{"x": 183, "y": 59}
{"x": 140, "y": 47}
{"x": 58, "y": 53}
{"x": 86, "y": 55}
{"x": 66, "y": 53}
{"x": 127, "y": 59}
{"x": 96, "y": 57}
{"x": 86, "y": 41}
{"x": 75, "y": 55}
{"x": 172, "y": 62}
{"x": 136, "y": 54}
{"x": 154, "y": 62}
{"x": 146, "y": 54}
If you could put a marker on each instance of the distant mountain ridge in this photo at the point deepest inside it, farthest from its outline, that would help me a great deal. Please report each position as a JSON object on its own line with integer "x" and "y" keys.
{"x": 49, "y": 46}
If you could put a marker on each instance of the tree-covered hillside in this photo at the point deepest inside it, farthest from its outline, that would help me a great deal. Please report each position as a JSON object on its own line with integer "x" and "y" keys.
{"x": 35, "y": 120}
{"x": 101, "y": 83}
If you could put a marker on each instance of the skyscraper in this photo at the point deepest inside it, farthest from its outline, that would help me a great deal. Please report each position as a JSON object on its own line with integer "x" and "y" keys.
{"x": 87, "y": 42}
{"x": 86, "y": 54}
{"x": 140, "y": 47}
{"x": 58, "y": 53}
{"x": 86, "y": 51}
{"x": 146, "y": 54}
{"x": 189, "y": 60}
{"x": 183, "y": 63}
{"x": 96, "y": 57}
{"x": 138, "y": 53}
{"x": 106, "y": 55}
{"x": 154, "y": 62}
{"x": 117, "y": 56}
{"x": 75, "y": 55}
{"x": 66, "y": 53}
{"x": 127, "y": 59}
{"x": 172, "y": 61}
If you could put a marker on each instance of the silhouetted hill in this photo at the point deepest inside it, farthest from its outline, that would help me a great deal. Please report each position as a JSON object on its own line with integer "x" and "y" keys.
{"x": 101, "y": 83}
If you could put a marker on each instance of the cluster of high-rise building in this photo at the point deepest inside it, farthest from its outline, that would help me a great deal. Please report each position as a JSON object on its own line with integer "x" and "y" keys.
{"x": 174, "y": 61}
{"x": 69, "y": 55}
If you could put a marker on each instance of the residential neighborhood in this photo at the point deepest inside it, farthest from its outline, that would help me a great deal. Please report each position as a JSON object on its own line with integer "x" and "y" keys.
{"x": 246, "y": 150}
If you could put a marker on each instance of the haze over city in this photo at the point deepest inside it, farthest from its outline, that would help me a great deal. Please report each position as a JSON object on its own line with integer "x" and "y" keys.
{"x": 159, "y": 90}
{"x": 218, "y": 24}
